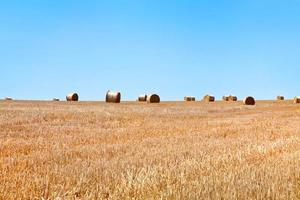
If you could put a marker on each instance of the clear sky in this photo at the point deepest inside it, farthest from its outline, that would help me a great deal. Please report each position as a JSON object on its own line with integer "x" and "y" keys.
{"x": 171, "y": 47}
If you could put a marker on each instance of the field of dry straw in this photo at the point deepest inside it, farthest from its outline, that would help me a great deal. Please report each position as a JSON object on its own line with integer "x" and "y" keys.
{"x": 179, "y": 150}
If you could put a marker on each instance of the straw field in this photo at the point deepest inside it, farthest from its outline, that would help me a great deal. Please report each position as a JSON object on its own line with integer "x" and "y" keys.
{"x": 171, "y": 150}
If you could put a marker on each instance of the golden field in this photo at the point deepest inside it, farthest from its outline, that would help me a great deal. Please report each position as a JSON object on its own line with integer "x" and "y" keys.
{"x": 171, "y": 150}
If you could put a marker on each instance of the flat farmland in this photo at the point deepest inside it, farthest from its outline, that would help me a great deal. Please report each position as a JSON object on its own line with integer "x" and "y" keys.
{"x": 171, "y": 150}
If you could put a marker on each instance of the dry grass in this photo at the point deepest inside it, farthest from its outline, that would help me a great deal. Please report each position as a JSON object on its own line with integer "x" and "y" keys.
{"x": 149, "y": 151}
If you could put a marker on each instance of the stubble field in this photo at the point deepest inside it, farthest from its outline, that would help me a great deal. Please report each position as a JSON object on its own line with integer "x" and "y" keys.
{"x": 172, "y": 150}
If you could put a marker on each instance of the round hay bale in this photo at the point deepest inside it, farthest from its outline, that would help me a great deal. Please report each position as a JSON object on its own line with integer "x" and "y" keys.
{"x": 249, "y": 101}
{"x": 153, "y": 98}
{"x": 297, "y": 100}
{"x": 113, "y": 97}
{"x": 142, "y": 97}
{"x": 280, "y": 98}
{"x": 189, "y": 98}
{"x": 8, "y": 99}
{"x": 55, "y": 99}
{"x": 72, "y": 97}
{"x": 232, "y": 98}
{"x": 225, "y": 98}
{"x": 229, "y": 98}
{"x": 208, "y": 98}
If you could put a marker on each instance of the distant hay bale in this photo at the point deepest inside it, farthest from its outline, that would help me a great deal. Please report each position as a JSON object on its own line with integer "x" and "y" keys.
{"x": 225, "y": 98}
{"x": 153, "y": 98}
{"x": 229, "y": 98}
{"x": 249, "y": 101}
{"x": 280, "y": 98}
{"x": 208, "y": 98}
{"x": 55, "y": 99}
{"x": 189, "y": 98}
{"x": 8, "y": 98}
{"x": 113, "y": 97}
{"x": 142, "y": 97}
{"x": 233, "y": 98}
{"x": 72, "y": 97}
{"x": 297, "y": 100}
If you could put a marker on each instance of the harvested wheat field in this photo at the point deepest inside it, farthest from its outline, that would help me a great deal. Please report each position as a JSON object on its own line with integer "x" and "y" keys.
{"x": 93, "y": 150}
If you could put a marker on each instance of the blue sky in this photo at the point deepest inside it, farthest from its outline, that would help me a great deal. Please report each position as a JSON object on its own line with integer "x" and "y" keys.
{"x": 171, "y": 47}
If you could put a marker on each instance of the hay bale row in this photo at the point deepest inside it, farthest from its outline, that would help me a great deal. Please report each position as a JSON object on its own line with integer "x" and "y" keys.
{"x": 247, "y": 101}
{"x": 189, "y": 98}
{"x": 208, "y": 98}
{"x": 113, "y": 97}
